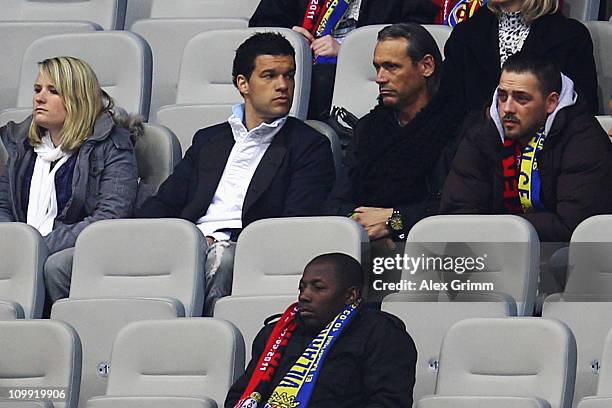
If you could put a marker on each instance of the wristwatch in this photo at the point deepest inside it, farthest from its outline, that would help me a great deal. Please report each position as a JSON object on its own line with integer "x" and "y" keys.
{"x": 396, "y": 226}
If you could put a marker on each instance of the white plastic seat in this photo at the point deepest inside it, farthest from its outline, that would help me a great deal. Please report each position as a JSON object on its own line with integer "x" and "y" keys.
{"x": 205, "y": 77}
{"x": 355, "y": 68}
{"x": 23, "y": 253}
{"x": 605, "y": 121}
{"x": 601, "y": 33}
{"x": 110, "y": 14}
{"x": 129, "y": 270}
{"x": 584, "y": 10}
{"x": 167, "y": 38}
{"x": 15, "y": 37}
{"x": 334, "y": 140}
{"x": 40, "y": 354}
{"x": 120, "y": 59}
{"x": 603, "y": 397}
{"x": 203, "y": 8}
{"x": 533, "y": 359}
{"x": 270, "y": 258}
{"x": 196, "y": 361}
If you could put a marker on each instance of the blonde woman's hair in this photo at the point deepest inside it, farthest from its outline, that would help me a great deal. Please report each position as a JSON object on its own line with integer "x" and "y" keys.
{"x": 531, "y": 9}
{"x": 83, "y": 99}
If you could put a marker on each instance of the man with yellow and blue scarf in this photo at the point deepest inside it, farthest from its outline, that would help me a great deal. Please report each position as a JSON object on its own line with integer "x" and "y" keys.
{"x": 327, "y": 350}
{"x": 538, "y": 154}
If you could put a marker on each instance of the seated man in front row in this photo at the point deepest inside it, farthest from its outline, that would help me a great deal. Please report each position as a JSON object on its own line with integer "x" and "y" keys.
{"x": 365, "y": 357}
{"x": 261, "y": 163}
{"x": 539, "y": 154}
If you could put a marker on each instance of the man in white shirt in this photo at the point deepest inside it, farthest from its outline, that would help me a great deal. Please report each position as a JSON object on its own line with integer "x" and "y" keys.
{"x": 261, "y": 163}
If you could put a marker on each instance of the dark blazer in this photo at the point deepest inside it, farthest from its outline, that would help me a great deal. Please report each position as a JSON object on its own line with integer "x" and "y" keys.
{"x": 575, "y": 167}
{"x": 471, "y": 66}
{"x": 293, "y": 178}
{"x": 289, "y": 13}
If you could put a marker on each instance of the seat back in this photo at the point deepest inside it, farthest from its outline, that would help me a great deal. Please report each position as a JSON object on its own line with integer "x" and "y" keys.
{"x": 109, "y": 14}
{"x": 355, "y": 68}
{"x": 41, "y": 354}
{"x": 15, "y": 38}
{"x": 590, "y": 256}
{"x": 270, "y": 258}
{"x": 167, "y": 38}
{"x": 605, "y": 121}
{"x": 194, "y": 357}
{"x": 601, "y": 33}
{"x": 334, "y": 140}
{"x": 157, "y": 152}
{"x": 141, "y": 258}
{"x": 513, "y": 356}
{"x": 128, "y": 82}
{"x": 23, "y": 253}
{"x": 588, "y": 318}
{"x": 203, "y": 8}
{"x": 584, "y": 10}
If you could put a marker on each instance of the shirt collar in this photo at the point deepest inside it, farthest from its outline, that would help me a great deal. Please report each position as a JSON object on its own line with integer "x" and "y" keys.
{"x": 264, "y": 132}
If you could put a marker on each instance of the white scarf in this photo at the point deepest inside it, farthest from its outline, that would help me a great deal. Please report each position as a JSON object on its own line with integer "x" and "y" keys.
{"x": 42, "y": 205}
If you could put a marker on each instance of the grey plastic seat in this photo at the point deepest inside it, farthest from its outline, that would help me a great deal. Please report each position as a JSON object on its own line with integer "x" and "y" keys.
{"x": 270, "y": 257}
{"x": 157, "y": 152}
{"x": 40, "y": 353}
{"x": 205, "y": 76}
{"x": 334, "y": 140}
{"x": 603, "y": 397}
{"x": 128, "y": 82}
{"x": 15, "y": 37}
{"x": 512, "y": 362}
{"x": 110, "y": 14}
{"x": 511, "y": 265}
{"x": 129, "y": 270}
{"x": 3, "y": 158}
{"x": 23, "y": 253}
{"x": 584, "y": 10}
{"x": 197, "y": 369}
{"x": 605, "y": 121}
{"x": 167, "y": 38}
{"x": 601, "y": 33}
{"x": 355, "y": 68}
{"x": 203, "y": 8}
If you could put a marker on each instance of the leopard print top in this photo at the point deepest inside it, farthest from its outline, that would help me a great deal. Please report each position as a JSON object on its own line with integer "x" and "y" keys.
{"x": 512, "y": 34}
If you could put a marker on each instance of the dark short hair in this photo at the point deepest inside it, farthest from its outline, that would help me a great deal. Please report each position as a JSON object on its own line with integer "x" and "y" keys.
{"x": 546, "y": 71}
{"x": 420, "y": 43}
{"x": 346, "y": 269}
{"x": 267, "y": 43}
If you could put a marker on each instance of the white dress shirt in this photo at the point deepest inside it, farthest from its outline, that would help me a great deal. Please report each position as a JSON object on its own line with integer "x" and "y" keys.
{"x": 225, "y": 210}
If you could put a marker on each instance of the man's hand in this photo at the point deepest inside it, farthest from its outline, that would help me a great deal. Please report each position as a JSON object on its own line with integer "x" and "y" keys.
{"x": 326, "y": 46}
{"x": 304, "y": 32}
{"x": 374, "y": 220}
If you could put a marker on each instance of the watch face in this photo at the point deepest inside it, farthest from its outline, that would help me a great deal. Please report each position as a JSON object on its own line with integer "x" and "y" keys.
{"x": 395, "y": 223}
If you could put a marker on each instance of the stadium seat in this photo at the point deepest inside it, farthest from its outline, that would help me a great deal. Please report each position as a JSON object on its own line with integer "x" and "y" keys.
{"x": 205, "y": 77}
{"x": 588, "y": 316}
{"x": 167, "y": 38}
{"x": 196, "y": 361}
{"x": 129, "y": 270}
{"x": 601, "y": 33}
{"x": 40, "y": 354}
{"x": 336, "y": 147}
{"x": 203, "y": 8}
{"x": 512, "y": 261}
{"x": 23, "y": 253}
{"x": 15, "y": 114}
{"x": 110, "y": 14}
{"x": 505, "y": 362}
{"x": 603, "y": 397}
{"x": 15, "y": 37}
{"x": 584, "y": 10}
{"x": 157, "y": 152}
{"x": 270, "y": 257}
{"x": 355, "y": 68}
{"x": 121, "y": 60}
{"x": 3, "y": 157}
{"x": 605, "y": 121}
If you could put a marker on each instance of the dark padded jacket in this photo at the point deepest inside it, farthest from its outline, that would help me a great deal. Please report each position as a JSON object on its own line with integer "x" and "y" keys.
{"x": 575, "y": 167}
{"x": 372, "y": 364}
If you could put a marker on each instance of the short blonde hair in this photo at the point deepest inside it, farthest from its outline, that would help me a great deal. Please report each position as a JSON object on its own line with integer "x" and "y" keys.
{"x": 83, "y": 99}
{"x": 531, "y": 9}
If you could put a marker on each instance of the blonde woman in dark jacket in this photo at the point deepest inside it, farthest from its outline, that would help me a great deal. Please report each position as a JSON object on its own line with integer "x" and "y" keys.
{"x": 69, "y": 164}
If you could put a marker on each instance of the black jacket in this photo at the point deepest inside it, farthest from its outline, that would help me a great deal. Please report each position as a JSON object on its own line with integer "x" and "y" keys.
{"x": 404, "y": 168}
{"x": 289, "y": 13}
{"x": 293, "y": 178}
{"x": 471, "y": 66}
{"x": 575, "y": 167}
{"x": 372, "y": 364}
